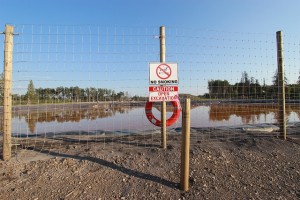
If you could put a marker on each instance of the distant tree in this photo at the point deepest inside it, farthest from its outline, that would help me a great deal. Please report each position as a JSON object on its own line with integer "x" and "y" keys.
{"x": 31, "y": 94}
{"x": 244, "y": 86}
{"x": 100, "y": 94}
{"x": 113, "y": 95}
{"x": 93, "y": 94}
{"x": 255, "y": 89}
{"x": 59, "y": 92}
{"x": 86, "y": 95}
{"x": 218, "y": 88}
{"x": 294, "y": 92}
{"x": 275, "y": 86}
{"x": 275, "y": 79}
{"x": 120, "y": 95}
{"x": 39, "y": 93}
{"x": 77, "y": 93}
{"x": 68, "y": 93}
{"x": 245, "y": 78}
{"x": 258, "y": 89}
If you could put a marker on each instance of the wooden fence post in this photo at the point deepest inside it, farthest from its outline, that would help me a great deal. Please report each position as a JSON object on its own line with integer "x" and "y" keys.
{"x": 7, "y": 101}
{"x": 185, "y": 146}
{"x": 281, "y": 85}
{"x": 162, "y": 37}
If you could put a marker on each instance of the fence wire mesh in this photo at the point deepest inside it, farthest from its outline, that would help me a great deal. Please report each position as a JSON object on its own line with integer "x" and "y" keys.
{"x": 89, "y": 84}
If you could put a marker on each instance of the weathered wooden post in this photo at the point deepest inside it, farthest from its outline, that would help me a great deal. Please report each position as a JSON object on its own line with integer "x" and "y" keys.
{"x": 281, "y": 85}
{"x": 185, "y": 146}
{"x": 7, "y": 101}
{"x": 162, "y": 37}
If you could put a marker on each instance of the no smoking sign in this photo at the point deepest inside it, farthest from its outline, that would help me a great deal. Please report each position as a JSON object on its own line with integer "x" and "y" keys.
{"x": 163, "y": 71}
{"x": 163, "y": 74}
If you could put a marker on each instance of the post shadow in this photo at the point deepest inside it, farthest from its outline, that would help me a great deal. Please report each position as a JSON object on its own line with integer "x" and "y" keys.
{"x": 113, "y": 166}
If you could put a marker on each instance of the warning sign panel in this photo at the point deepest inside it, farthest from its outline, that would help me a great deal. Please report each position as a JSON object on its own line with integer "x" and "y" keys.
{"x": 163, "y": 74}
{"x": 163, "y": 93}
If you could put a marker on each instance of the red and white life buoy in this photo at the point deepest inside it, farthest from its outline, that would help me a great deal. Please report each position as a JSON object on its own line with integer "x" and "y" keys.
{"x": 170, "y": 121}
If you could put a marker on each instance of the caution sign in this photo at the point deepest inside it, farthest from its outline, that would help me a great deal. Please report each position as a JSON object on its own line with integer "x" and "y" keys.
{"x": 163, "y": 74}
{"x": 163, "y": 93}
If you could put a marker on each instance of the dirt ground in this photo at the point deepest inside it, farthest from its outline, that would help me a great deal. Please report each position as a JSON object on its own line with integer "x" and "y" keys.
{"x": 135, "y": 167}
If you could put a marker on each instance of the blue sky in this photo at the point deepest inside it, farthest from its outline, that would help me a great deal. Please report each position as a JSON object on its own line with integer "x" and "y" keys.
{"x": 250, "y": 18}
{"x": 237, "y": 15}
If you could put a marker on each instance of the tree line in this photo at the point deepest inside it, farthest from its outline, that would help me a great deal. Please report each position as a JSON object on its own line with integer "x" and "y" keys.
{"x": 250, "y": 88}
{"x": 72, "y": 94}
{"x": 247, "y": 88}
{"x": 65, "y": 94}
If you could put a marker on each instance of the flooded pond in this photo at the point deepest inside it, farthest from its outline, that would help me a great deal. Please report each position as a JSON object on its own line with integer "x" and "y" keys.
{"x": 120, "y": 118}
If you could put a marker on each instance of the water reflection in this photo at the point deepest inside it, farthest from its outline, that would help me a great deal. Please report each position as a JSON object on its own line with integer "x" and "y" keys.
{"x": 119, "y": 117}
{"x": 249, "y": 114}
{"x": 62, "y": 116}
{"x": 67, "y": 114}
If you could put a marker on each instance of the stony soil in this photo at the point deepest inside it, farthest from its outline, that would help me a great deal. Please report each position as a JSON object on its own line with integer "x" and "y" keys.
{"x": 240, "y": 168}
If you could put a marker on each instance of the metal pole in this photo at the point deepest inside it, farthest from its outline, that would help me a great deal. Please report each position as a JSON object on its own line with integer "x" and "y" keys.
{"x": 281, "y": 85}
{"x": 7, "y": 101}
{"x": 185, "y": 146}
{"x": 163, "y": 103}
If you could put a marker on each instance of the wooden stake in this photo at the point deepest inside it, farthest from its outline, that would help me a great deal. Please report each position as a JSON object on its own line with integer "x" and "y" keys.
{"x": 163, "y": 104}
{"x": 281, "y": 85}
{"x": 185, "y": 146}
{"x": 162, "y": 37}
{"x": 7, "y": 101}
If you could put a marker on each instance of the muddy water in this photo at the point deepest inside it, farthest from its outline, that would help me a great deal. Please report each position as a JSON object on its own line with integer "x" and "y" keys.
{"x": 132, "y": 119}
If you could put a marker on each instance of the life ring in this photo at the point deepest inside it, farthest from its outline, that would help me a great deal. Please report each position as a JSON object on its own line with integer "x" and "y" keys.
{"x": 170, "y": 121}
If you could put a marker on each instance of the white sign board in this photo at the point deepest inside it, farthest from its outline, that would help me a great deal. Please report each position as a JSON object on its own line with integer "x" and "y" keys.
{"x": 163, "y": 93}
{"x": 163, "y": 74}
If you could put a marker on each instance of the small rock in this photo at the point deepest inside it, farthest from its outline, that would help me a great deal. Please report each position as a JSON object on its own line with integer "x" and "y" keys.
{"x": 192, "y": 180}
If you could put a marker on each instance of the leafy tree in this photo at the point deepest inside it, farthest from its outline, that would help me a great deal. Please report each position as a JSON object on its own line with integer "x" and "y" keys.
{"x": 219, "y": 88}
{"x": 101, "y": 94}
{"x": 31, "y": 94}
{"x": 245, "y": 78}
{"x": 120, "y": 95}
{"x": 76, "y": 93}
{"x": 93, "y": 94}
{"x": 113, "y": 95}
{"x": 275, "y": 85}
{"x": 294, "y": 91}
{"x": 275, "y": 79}
{"x": 68, "y": 93}
{"x": 60, "y": 92}
{"x": 244, "y": 85}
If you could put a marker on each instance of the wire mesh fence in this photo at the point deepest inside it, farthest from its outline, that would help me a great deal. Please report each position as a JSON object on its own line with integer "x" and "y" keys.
{"x": 86, "y": 84}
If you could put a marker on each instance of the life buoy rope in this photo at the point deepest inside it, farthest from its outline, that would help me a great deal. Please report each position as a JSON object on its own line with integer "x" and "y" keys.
{"x": 170, "y": 121}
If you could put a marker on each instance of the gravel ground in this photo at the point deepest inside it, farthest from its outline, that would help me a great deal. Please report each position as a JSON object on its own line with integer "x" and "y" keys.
{"x": 244, "y": 168}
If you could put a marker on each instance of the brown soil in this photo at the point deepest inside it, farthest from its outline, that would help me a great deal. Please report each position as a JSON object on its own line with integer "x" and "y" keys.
{"x": 136, "y": 167}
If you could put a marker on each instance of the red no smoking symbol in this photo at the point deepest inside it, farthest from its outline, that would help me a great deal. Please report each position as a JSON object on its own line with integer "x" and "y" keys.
{"x": 163, "y": 71}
